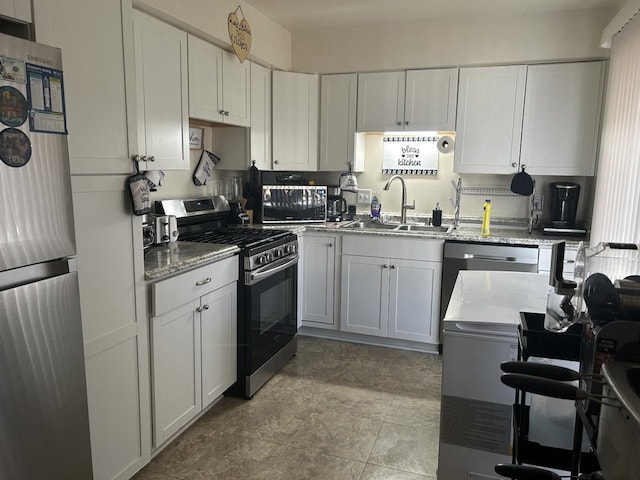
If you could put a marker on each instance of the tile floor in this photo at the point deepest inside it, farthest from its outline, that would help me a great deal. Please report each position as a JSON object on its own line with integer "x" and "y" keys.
{"x": 337, "y": 410}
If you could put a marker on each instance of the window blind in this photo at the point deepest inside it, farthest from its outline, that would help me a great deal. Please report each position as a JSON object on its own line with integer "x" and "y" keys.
{"x": 616, "y": 213}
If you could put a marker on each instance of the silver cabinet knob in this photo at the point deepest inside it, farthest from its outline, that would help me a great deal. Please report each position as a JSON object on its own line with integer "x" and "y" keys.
{"x": 136, "y": 158}
{"x": 406, "y": 122}
{"x": 221, "y": 112}
{"x": 398, "y": 123}
{"x": 330, "y": 245}
{"x": 151, "y": 158}
{"x": 385, "y": 266}
{"x": 226, "y": 113}
{"x": 392, "y": 267}
{"x": 205, "y": 307}
{"x": 276, "y": 162}
{"x": 514, "y": 164}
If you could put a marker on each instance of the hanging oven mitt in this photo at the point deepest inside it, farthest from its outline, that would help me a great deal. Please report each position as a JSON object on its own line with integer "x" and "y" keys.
{"x": 203, "y": 171}
{"x": 139, "y": 193}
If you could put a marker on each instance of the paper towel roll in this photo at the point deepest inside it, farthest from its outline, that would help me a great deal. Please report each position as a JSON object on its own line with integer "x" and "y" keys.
{"x": 445, "y": 144}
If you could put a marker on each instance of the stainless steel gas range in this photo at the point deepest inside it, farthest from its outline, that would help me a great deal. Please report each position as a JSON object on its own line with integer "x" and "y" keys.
{"x": 267, "y": 287}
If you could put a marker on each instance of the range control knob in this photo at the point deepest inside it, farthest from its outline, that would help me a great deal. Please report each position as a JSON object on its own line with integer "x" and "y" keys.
{"x": 261, "y": 259}
{"x": 269, "y": 256}
{"x": 290, "y": 248}
{"x": 278, "y": 252}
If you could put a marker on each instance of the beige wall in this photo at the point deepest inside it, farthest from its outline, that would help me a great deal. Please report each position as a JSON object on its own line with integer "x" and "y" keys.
{"x": 271, "y": 45}
{"x": 453, "y": 42}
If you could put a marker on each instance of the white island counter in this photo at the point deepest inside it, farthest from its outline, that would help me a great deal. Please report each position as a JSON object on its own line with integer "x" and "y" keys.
{"x": 480, "y": 332}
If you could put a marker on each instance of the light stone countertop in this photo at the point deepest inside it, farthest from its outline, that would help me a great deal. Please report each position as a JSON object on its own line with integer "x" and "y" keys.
{"x": 496, "y": 298}
{"x": 161, "y": 261}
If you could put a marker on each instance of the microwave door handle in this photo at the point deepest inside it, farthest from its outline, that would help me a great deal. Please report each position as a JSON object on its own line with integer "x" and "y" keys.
{"x": 260, "y": 274}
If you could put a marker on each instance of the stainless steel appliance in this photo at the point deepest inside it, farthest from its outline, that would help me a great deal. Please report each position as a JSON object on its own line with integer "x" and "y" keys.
{"x": 267, "y": 289}
{"x": 475, "y": 256}
{"x": 563, "y": 202}
{"x": 294, "y": 204}
{"x": 336, "y": 204}
{"x": 43, "y": 399}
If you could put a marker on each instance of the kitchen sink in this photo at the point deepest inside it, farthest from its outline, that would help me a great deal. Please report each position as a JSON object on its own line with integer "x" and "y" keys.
{"x": 426, "y": 228}
{"x": 370, "y": 226}
{"x": 399, "y": 228}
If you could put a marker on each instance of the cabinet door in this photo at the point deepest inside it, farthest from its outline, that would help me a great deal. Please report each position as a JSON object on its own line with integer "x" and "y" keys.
{"x": 562, "y": 118}
{"x": 414, "y": 303}
{"x": 205, "y": 80}
{"x": 337, "y": 121}
{"x": 161, "y": 94}
{"x": 381, "y": 101}
{"x": 430, "y": 102}
{"x": 176, "y": 370}
{"x": 100, "y": 101}
{"x": 18, "y": 9}
{"x": 236, "y": 90}
{"x": 295, "y": 121}
{"x": 219, "y": 327}
{"x": 260, "y": 117}
{"x": 489, "y": 119}
{"x": 365, "y": 295}
{"x": 318, "y": 281}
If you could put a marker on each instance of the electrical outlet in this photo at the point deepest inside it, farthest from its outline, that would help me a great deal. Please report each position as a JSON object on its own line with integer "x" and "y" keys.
{"x": 364, "y": 196}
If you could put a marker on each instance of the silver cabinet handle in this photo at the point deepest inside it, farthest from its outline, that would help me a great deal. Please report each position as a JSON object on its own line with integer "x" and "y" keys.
{"x": 385, "y": 266}
{"x": 226, "y": 113}
{"x": 200, "y": 309}
{"x": 221, "y": 112}
{"x": 514, "y": 164}
{"x": 205, "y": 307}
{"x": 276, "y": 162}
{"x": 406, "y": 122}
{"x": 330, "y": 244}
{"x": 398, "y": 123}
{"x": 203, "y": 282}
{"x": 135, "y": 158}
{"x": 469, "y": 256}
{"x": 151, "y": 158}
{"x": 393, "y": 266}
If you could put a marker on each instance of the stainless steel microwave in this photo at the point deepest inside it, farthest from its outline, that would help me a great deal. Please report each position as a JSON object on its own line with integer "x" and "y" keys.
{"x": 294, "y": 204}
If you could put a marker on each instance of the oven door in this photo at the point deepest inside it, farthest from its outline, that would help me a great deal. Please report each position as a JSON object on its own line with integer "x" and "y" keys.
{"x": 270, "y": 305}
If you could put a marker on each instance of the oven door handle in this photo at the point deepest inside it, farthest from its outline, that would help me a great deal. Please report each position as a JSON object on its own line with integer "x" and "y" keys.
{"x": 251, "y": 278}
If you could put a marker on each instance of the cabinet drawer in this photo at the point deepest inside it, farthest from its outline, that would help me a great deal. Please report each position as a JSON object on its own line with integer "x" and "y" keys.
{"x": 171, "y": 293}
{"x": 384, "y": 246}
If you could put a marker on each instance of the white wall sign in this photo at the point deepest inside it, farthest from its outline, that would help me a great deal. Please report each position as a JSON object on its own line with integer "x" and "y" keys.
{"x": 410, "y": 155}
{"x": 195, "y": 138}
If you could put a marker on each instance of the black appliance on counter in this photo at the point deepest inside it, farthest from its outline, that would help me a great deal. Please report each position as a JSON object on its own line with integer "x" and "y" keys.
{"x": 563, "y": 206}
{"x": 294, "y": 204}
{"x": 267, "y": 285}
{"x": 336, "y": 204}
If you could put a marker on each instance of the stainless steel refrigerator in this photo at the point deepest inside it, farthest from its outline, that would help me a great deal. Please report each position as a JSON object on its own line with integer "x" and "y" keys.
{"x": 44, "y": 427}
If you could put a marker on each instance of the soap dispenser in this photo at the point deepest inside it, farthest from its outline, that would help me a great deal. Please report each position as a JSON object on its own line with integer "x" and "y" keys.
{"x": 436, "y": 216}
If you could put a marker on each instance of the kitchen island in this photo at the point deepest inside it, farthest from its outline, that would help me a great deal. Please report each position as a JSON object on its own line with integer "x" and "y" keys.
{"x": 480, "y": 332}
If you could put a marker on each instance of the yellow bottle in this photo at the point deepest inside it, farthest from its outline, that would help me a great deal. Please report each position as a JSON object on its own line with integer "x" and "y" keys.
{"x": 486, "y": 218}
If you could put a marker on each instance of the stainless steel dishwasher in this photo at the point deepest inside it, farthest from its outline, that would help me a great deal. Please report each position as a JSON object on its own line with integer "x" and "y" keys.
{"x": 480, "y": 256}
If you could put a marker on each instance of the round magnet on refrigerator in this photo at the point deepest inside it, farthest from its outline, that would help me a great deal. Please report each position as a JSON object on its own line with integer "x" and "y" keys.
{"x": 13, "y": 106}
{"x": 15, "y": 147}
{"x": 445, "y": 144}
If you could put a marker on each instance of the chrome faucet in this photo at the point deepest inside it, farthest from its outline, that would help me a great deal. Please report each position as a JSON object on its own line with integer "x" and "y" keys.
{"x": 404, "y": 206}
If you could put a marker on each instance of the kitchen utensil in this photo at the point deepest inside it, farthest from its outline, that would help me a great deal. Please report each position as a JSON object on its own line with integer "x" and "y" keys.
{"x": 522, "y": 183}
{"x": 348, "y": 181}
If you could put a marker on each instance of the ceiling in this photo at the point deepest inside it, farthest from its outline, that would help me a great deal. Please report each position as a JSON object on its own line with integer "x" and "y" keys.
{"x": 298, "y": 15}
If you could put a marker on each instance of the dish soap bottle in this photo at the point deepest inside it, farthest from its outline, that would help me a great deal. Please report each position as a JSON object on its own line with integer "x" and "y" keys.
{"x": 486, "y": 218}
{"x": 436, "y": 216}
{"x": 375, "y": 207}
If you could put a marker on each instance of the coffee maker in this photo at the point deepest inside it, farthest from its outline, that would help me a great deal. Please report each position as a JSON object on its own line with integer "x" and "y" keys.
{"x": 336, "y": 204}
{"x": 563, "y": 206}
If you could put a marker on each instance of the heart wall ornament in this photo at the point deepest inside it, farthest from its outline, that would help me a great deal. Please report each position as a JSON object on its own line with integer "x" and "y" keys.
{"x": 239, "y": 34}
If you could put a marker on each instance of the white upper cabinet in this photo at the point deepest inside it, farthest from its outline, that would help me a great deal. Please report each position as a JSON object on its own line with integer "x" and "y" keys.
{"x": 219, "y": 89}
{"x": 542, "y": 117}
{"x": 489, "y": 120}
{"x": 416, "y": 100}
{"x": 562, "y": 118}
{"x": 381, "y": 101}
{"x": 295, "y": 121}
{"x": 18, "y": 9}
{"x": 338, "y": 122}
{"x": 260, "y": 140}
{"x": 161, "y": 94}
{"x": 430, "y": 100}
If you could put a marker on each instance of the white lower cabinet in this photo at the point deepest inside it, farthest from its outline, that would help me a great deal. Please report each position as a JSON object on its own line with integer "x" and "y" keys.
{"x": 391, "y": 287}
{"x": 317, "y": 285}
{"x": 193, "y": 344}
